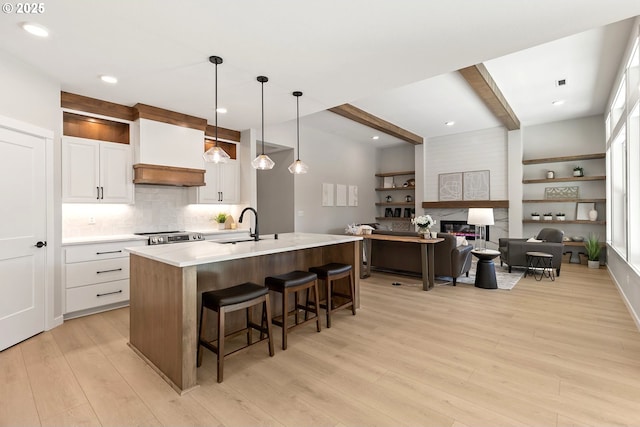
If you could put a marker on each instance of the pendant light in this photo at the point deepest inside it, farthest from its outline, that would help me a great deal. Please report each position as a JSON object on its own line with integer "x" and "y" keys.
{"x": 298, "y": 167}
{"x": 216, "y": 154}
{"x": 263, "y": 162}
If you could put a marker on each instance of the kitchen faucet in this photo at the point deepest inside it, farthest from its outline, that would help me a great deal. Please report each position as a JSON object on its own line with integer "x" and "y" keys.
{"x": 256, "y": 234}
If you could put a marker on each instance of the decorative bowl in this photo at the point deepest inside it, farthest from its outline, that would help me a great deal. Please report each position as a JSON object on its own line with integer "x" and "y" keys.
{"x": 577, "y": 238}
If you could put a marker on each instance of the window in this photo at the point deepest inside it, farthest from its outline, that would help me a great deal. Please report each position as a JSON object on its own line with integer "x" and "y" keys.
{"x": 618, "y": 184}
{"x": 634, "y": 186}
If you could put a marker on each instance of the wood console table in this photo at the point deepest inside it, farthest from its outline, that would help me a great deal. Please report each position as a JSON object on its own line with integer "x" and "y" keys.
{"x": 426, "y": 250}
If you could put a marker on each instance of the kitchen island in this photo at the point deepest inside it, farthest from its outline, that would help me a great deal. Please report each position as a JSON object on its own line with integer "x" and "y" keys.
{"x": 166, "y": 282}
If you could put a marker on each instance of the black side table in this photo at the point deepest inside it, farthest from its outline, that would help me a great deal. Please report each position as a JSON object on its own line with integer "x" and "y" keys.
{"x": 486, "y": 269}
{"x": 540, "y": 264}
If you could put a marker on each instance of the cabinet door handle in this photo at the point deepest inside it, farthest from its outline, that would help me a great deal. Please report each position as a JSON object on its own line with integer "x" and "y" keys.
{"x": 101, "y": 192}
{"x": 109, "y": 271}
{"x": 109, "y": 252}
{"x": 221, "y": 196}
{"x": 98, "y": 192}
{"x": 110, "y": 293}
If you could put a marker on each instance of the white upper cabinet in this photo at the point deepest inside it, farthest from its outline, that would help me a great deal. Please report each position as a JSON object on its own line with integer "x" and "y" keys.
{"x": 95, "y": 171}
{"x": 222, "y": 183}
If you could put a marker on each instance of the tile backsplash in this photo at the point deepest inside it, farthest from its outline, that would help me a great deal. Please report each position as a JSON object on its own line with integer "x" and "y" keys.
{"x": 156, "y": 208}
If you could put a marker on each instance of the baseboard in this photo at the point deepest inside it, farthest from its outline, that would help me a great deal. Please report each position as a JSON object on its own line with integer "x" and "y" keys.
{"x": 57, "y": 321}
{"x": 633, "y": 313}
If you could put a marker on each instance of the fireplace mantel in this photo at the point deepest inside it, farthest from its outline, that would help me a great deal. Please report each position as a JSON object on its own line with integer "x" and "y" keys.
{"x": 463, "y": 204}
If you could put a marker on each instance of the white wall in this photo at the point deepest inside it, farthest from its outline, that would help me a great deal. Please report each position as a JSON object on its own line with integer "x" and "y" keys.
{"x": 335, "y": 160}
{"x": 29, "y": 95}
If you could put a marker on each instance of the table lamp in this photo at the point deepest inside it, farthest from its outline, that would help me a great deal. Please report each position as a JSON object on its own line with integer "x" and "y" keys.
{"x": 480, "y": 217}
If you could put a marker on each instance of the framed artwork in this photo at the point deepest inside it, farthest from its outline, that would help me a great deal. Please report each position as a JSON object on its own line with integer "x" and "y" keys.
{"x": 475, "y": 185}
{"x": 561, "y": 192}
{"x": 582, "y": 210}
{"x": 353, "y": 195}
{"x": 341, "y": 195}
{"x": 327, "y": 194}
{"x": 450, "y": 186}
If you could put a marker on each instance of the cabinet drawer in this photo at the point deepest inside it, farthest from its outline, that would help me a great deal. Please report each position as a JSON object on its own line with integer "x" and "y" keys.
{"x": 89, "y": 273}
{"x": 98, "y": 251}
{"x": 84, "y": 297}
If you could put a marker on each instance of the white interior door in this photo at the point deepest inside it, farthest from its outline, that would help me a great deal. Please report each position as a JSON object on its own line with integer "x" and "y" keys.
{"x": 22, "y": 225}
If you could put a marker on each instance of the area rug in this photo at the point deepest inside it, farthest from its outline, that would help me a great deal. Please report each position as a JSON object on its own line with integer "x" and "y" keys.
{"x": 506, "y": 280}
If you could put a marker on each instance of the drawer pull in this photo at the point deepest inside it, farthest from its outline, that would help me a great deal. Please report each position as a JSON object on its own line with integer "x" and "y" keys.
{"x": 110, "y": 293}
{"x": 109, "y": 252}
{"x": 109, "y": 271}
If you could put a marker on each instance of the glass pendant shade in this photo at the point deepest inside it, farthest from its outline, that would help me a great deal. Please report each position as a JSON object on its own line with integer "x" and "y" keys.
{"x": 263, "y": 162}
{"x": 216, "y": 154}
{"x": 298, "y": 167}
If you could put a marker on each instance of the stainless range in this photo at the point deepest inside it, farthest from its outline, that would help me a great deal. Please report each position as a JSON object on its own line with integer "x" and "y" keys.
{"x": 162, "y": 238}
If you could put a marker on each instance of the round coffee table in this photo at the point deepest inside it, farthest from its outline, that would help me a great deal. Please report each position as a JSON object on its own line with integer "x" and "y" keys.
{"x": 486, "y": 269}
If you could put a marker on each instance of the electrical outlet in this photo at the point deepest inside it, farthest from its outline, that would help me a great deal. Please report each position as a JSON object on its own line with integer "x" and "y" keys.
{"x": 92, "y": 221}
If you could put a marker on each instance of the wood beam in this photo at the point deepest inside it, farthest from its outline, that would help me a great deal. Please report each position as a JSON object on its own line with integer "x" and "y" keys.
{"x": 483, "y": 84}
{"x": 73, "y": 101}
{"x": 360, "y": 116}
{"x": 223, "y": 133}
{"x": 143, "y": 111}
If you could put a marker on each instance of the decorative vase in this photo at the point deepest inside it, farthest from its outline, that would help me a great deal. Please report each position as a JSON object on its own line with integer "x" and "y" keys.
{"x": 221, "y": 225}
{"x": 535, "y": 217}
{"x": 593, "y": 215}
{"x": 424, "y": 232}
{"x": 593, "y": 264}
{"x": 577, "y": 173}
{"x": 434, "y": 234}
{"x": 560, "y": 218}
{"x": 550, "y": 174}
{"x": 548, "y": 217}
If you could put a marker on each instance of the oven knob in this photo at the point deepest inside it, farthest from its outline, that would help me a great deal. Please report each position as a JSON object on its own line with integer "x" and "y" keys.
{"x": 160, "y": 239}
{"x": 154, "y": 240}
{"x": 198, "y": 236}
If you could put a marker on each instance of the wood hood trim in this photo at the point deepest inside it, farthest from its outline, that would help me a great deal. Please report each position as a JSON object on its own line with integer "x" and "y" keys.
{"x": 167, "y": 175}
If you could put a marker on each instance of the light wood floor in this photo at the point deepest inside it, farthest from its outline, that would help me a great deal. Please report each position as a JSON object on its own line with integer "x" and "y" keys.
{"x": 563, "y": 353}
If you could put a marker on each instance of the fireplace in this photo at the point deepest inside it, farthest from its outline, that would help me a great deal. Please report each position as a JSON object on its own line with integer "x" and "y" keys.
{"x": 461, "y": 228}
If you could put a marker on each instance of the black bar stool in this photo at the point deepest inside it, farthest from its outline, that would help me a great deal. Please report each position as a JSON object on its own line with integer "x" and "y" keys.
{"x": 227, "y": 300}
{"x": 293, "y": 282}
{"x": 329, "y": 273}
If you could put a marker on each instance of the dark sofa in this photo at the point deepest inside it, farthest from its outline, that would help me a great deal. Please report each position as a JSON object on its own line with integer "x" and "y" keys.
{"x": 450, "y": 260}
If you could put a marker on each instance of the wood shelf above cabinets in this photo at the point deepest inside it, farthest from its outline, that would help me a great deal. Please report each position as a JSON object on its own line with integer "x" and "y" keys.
{"x": 554, "y": 221}
{"x": 382, "y": 175}
{"x": 566, "y": 179}
{"x": 392, "y": 218}
{"x": 564, "y": 201}
{"x": 394, "y": 188}
{"x": 564, "y": 159}
{"x": 462, "y": 204}
{"x": 395, "y": 203}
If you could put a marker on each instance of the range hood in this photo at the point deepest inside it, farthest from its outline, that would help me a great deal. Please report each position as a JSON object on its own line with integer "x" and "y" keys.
{"x": 168, "y": 147}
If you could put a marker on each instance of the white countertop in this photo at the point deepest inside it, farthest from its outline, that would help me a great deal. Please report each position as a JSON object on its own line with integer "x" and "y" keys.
{"x": 204, "y": 252}
{"x": 101, "y": 239}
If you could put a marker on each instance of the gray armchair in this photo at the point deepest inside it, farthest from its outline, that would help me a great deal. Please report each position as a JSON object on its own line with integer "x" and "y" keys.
{"x": 513, "y": 251}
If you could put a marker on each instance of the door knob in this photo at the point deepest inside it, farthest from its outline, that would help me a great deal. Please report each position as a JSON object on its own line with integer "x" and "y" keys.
{"x": 40, "y": 244}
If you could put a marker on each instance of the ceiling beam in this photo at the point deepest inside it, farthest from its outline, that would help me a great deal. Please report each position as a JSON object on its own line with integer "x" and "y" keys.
{"x": 483, "y": 84}
{"x": 360, "y": 116}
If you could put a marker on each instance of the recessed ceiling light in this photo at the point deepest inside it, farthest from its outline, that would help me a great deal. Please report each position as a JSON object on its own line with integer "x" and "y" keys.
{"x": 558, "y": 102}
{"x": 375, "y": 137}
{"x": 109, "y": 79}
{"x": 35, "y": 29}
{"x": 450, "y": 123}
{"x": 222, "y": 110}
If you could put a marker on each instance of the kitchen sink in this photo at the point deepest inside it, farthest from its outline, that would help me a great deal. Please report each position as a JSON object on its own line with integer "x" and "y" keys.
{"x": 233, "y": 242}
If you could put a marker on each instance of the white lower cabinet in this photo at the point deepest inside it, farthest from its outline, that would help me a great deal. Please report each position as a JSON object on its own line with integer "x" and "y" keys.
{"x": 96, "y": 275}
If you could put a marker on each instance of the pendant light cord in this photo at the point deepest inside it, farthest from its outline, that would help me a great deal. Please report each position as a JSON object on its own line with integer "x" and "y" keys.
{"x": 216, "y": 102}
{"x": 262, "y": 95}
{"x": 298, "y": 124}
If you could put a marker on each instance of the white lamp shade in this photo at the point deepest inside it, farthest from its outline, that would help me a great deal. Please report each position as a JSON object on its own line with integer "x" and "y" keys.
{"x": 480, "y": 216}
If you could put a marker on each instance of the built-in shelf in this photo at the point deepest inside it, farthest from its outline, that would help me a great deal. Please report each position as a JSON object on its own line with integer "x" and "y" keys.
{"x": 564, "y": 201}
{"x": 394, "y": 188}
{"x": 564, "y": 159}
{"x": 462, "y": 204}
{"x": 566, "y": 179}
{"x": 392, "y": 218}
{"x": 566, "y": 221}
{"x": 394, "y": 204}
{"x": 382, "y": 175}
